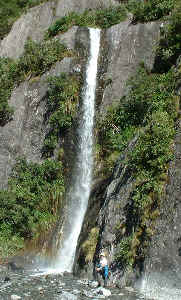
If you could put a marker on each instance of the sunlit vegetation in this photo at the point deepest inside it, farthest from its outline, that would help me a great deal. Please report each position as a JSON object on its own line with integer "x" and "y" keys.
{"x": 37, "y": 59}
{"x": 148, "y": 111}
{"x": 63, "y": 99}
{"x": 149, "y": 10}
{"x": 10, "y": 10}
{"x": 30, "y": 203}
{"x": 89, "y": 246}
{"x": 102, "y": 18}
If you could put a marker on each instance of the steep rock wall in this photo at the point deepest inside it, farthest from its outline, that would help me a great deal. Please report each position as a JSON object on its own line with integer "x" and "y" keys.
{"x": 31, "y": 25}
{"x": 24, "y": 135}
{"x": 124, "y": 46}
{"x": 35, "y": 23}
{"x": 164, "y": 255}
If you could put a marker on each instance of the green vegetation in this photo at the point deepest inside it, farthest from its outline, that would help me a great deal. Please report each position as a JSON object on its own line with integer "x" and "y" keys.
{"x": 143, "y": 11}
{"x": 37, "y": 59}
{"x": 102, "y": 18}
{"x": 125, "y": 254}
{"x": 30, "y": 204}
{"x": 150, "y": 10}
{"x": 63, "y": 95}
{"x": 149, "y": 93}
{"x": 8, "y": 71}
{"x": 148, "y": 111}
{"x": 170, "y": 43}
{"x": 89, "y": 246}
{"x": 11, "y": 10}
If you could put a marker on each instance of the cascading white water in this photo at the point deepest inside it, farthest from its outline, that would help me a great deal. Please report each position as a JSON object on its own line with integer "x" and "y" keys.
{"x": 80, "y": 190}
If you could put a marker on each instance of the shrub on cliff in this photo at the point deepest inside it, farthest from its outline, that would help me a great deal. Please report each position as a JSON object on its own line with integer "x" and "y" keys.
{"x": 169, "y": 47}
{"x": 146, "y": 11}
{"x": 149, "y": 93}
{"x": 11, "y": 10}
{"x": 29, "y": 206}
{"x": 8, "y": 71}
{"x": 63, "y": 98}
{"x": 148, "y": 111}
{"x": 37, "y": 59}
{"x": 102, "y": 18}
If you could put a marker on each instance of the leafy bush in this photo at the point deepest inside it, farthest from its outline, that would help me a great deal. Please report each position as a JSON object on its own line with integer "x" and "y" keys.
{"x": 63, "y": 96}
{"x": 146, "y": 11}
{"x": 9, "y": 243}
{"x": 37, "y": 58}
{"x": 11, "y": 10}
{"x": 102, "y": 18}
{"x": 153, "y": 150}
{"x": 148, "y": 111}
{"x": 125, "y": 255}
{"x": 170, "y": 43}
{"x": 28, "y": 199}
{"x": 8, "y": 70}
{"x": 149, "y": 93}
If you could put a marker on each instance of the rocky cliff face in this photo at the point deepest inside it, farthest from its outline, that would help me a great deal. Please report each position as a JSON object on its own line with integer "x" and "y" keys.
{"x": 164, "y": 256}
{"x": 24, "y": 135}
{"x": 123, "y": 47}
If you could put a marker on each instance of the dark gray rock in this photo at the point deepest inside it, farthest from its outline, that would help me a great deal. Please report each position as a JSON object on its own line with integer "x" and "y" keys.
{"x": 165, "y": 247}
{"x": 32, "y": 25}
{"x": 24, "y": 135}
{"x": 125, "y": 46}
{"x": 38, "y": 19}
{"x": 79, "y": 6}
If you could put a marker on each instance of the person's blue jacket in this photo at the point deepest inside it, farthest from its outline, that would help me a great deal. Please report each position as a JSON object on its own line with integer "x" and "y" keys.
{"x": 105, "y": 270}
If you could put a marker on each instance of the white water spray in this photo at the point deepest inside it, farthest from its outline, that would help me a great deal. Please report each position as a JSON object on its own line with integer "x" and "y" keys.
{"x": 82, "y": 183}
{"x": 160, "y": 286}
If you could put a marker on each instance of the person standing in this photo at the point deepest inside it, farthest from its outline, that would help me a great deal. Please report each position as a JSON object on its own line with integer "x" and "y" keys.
{"x": 102, "y": 268}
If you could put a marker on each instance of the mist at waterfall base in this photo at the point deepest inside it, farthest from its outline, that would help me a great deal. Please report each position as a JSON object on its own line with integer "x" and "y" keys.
{"x": 80, "y": 190}
{"x": 160, "y": 285}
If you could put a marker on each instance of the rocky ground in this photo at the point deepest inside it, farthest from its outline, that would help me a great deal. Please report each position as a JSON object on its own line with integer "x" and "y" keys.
{"x": 35, "y": 285}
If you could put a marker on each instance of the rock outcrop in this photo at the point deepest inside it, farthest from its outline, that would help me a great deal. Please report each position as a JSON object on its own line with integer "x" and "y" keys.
{"x": 123, "y": 47}
{"x": 24, "y": 135}
{"x": 31, "y": 25}
{"x": 126, "y": 46}
{"x": 164, "y": 256}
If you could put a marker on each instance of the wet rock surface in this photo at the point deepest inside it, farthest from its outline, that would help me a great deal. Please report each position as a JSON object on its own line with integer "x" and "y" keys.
{"x": 24, "y": 134}
{"x": 165, "y": 249}
{"x": 36, "y": 285}
{"x": 124, "y": 47}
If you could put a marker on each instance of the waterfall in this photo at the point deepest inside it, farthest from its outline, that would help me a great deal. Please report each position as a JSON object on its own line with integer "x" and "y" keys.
{"x": 80, "y": 190}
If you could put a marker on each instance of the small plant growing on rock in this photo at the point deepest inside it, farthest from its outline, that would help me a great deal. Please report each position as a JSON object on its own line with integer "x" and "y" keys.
{"x": 63, "y": 98}
{"x": 102, "y": 18}
{"x": 89, "y": 246}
